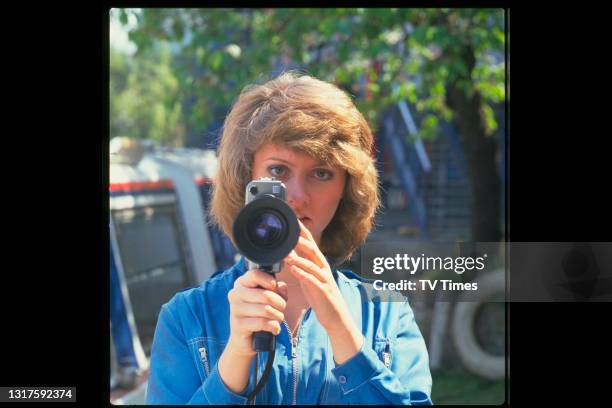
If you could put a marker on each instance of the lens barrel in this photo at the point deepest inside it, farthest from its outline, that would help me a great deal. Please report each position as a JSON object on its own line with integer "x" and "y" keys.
{"x": 266, "y": 230}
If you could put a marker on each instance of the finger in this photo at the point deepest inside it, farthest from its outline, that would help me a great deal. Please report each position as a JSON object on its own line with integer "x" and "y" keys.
{"x": 304, "y": 278}
{"x": 309, "y": 267}
{"x": 305, "y": 232}
{"x": 255, "y": 278}
{"x": 283, "y": 290}
{"x": 255, "y": 324}
{"x": 243, "y": 309}
{"x": 261, "y": 296}
{"x": 310, "y": 250}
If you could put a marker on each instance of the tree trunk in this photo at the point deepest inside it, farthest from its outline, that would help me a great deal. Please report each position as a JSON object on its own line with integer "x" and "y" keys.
{"x": 480, "y": 152}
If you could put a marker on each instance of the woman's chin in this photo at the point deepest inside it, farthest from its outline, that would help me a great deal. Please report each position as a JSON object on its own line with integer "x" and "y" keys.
{"x": 307, "y": 222}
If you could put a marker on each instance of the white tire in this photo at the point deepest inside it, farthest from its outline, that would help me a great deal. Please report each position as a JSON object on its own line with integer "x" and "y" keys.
{"x": 474, "y": 358}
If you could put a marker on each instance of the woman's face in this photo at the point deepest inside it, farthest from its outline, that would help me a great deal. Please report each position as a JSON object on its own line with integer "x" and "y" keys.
{"x": 313, "y": 188}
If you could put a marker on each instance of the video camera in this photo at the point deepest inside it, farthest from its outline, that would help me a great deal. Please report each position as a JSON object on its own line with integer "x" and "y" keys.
{"x": 265, "y": 231}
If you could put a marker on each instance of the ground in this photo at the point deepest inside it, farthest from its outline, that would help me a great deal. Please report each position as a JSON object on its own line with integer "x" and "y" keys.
{"x": 458, "y": 387}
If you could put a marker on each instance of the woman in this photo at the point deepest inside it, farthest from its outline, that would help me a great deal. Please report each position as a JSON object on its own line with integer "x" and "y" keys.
{"x": 335, "y": 344}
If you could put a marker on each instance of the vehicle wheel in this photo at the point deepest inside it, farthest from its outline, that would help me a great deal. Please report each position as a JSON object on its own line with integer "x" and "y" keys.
{"x": 475, "y": 357}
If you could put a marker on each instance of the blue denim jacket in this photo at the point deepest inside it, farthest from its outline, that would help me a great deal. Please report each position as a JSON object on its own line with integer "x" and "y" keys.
{"x": 193, "y": 327}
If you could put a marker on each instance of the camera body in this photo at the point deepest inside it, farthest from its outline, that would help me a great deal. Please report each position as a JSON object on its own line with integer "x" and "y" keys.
{"x": 264, "y": 186}
{"x": 266, "y": 229}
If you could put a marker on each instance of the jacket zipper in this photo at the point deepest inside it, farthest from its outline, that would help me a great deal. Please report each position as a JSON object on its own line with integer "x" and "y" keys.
{"x": 204, "y": 359}
{"x": 294, "y": 344}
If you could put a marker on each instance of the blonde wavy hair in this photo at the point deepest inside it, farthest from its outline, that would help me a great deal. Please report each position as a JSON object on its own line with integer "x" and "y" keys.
{"x": 313, "y": 117}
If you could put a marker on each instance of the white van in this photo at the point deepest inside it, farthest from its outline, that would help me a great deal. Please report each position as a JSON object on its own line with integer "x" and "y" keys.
{"x": 161, "y": 242}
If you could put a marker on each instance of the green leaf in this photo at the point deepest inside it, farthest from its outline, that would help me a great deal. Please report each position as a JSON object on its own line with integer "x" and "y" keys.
{"x": 489, "y": 116}
{"x": 419, "y": 35}
{"x": 215, "y": 60}
{"x": 373, "y": 87}
{"x": 342, "y": 75}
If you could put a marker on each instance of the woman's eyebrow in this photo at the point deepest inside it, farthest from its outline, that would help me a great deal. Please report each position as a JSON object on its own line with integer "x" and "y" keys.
{"x": 317, "y": 164}
{"x": 279, "y": 159}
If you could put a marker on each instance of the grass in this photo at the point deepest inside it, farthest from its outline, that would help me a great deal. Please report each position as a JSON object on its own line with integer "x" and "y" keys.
{"x": 458, "y": 387}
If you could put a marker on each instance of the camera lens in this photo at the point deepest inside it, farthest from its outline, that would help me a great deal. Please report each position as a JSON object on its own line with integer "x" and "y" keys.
{"x": 265, "y": 228}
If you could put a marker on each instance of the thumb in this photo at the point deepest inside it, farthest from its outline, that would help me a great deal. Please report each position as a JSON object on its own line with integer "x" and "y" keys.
{"x": 282, "y": 289}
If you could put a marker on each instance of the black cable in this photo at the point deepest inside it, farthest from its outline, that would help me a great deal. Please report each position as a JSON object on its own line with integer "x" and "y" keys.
{"x": 264, "y": 376}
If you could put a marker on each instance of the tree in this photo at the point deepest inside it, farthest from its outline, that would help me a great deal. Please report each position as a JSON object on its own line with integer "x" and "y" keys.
{"x": 449, "y": 63}
{"x": 144, "y": 97}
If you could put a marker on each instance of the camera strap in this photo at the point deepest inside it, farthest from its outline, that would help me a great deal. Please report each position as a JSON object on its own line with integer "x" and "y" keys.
{"x": 265, "y": 374}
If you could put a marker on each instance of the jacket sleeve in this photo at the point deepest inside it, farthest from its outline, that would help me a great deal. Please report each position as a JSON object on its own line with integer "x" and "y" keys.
{"x": 174, "y": 378}
{"x": 364, "y": 379}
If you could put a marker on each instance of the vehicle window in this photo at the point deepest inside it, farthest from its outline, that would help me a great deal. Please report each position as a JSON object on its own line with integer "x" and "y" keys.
{"x": 154, "y": 258}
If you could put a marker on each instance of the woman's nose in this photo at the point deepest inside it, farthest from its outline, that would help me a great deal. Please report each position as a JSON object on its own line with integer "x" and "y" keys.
{"x": 297, "y": 194}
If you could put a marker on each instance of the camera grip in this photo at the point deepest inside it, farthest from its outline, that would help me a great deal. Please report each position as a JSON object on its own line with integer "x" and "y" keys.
{"x": 263, "y": 341}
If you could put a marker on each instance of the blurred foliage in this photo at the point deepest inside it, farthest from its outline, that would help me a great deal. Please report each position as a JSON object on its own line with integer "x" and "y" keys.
{"x": 144, "y": 97}
{"x": 379, "y": 56}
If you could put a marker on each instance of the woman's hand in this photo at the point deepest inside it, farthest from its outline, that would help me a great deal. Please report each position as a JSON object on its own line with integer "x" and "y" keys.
{"x": 309, "y": 266}
{"x": 257, "y": 303}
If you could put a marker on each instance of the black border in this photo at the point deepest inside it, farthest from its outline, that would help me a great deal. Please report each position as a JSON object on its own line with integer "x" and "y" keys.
{"x": 55, "y": 303}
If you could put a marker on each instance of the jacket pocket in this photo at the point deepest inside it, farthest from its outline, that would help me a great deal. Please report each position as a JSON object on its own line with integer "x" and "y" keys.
{"x": 205, "y": 352}
{"x": 382, "y": 347}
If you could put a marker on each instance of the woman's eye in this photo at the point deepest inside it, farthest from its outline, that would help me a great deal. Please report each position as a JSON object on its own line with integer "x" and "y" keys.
{"x": 322, "y": 174}
{"x": 277, "y": 171}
